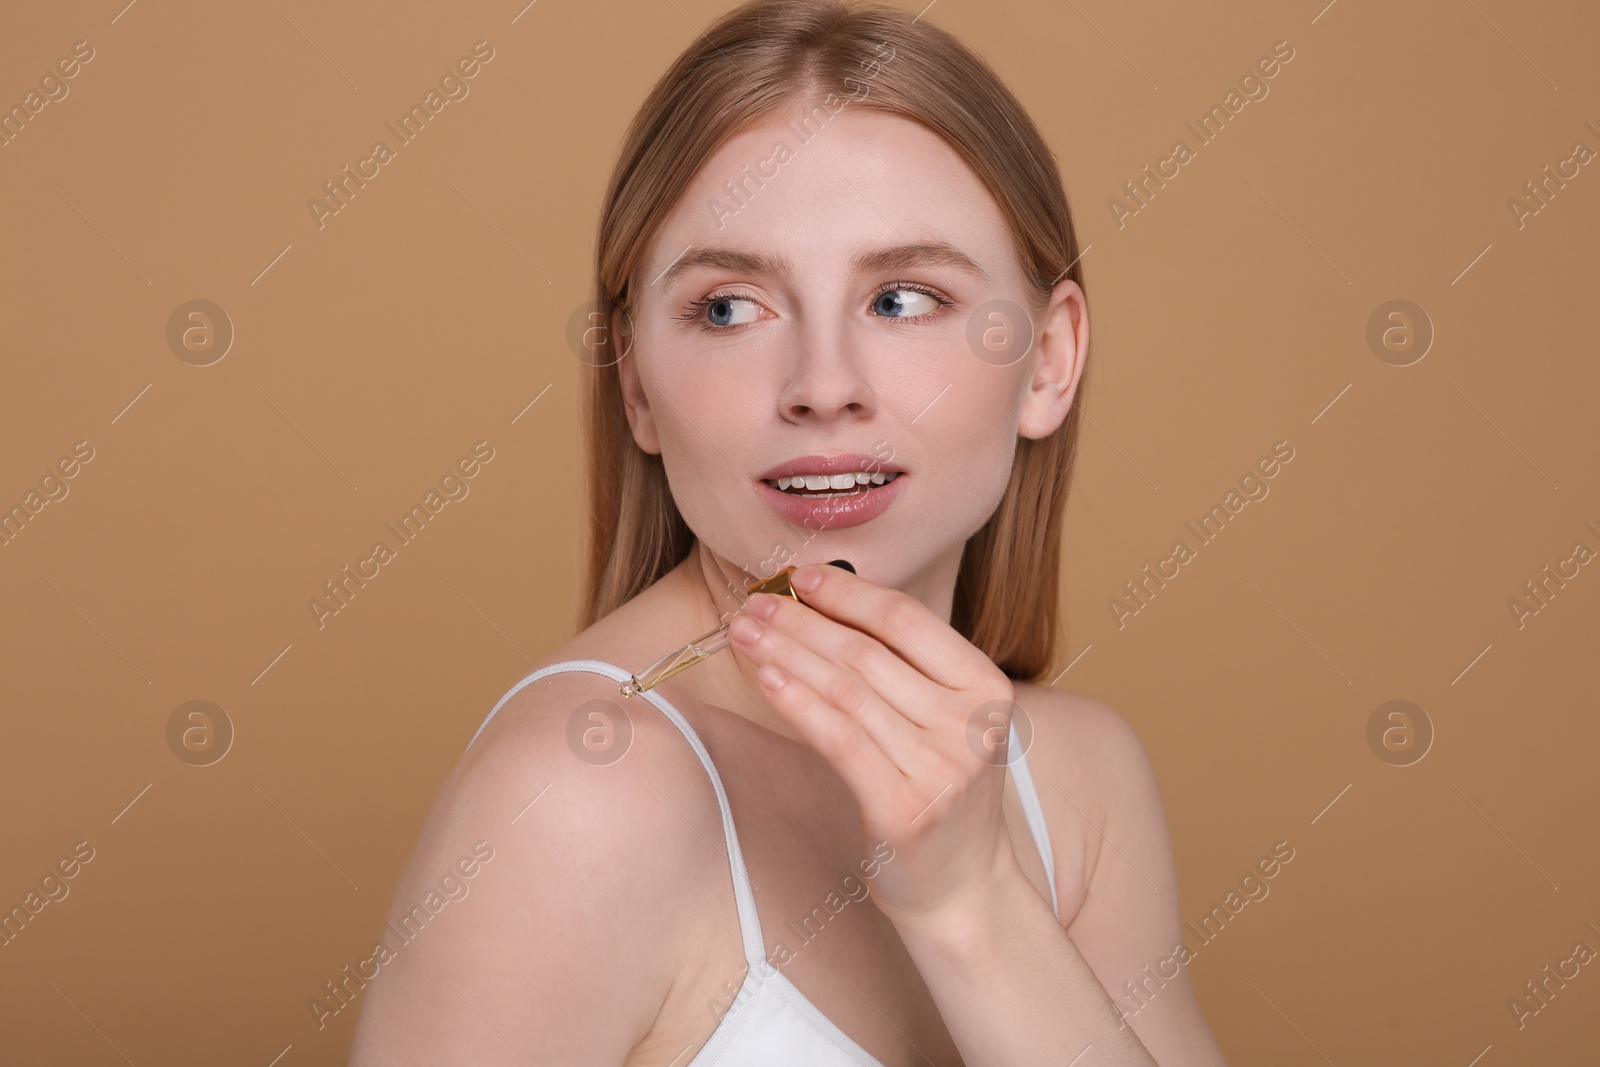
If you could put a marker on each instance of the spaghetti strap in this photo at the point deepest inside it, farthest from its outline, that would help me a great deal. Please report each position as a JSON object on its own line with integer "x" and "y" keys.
{"x": 1034, "y": 812}
{"x": 743, "y": 894}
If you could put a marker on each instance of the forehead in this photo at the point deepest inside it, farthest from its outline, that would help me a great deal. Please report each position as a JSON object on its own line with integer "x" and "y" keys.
{"x": 819, "y": 195}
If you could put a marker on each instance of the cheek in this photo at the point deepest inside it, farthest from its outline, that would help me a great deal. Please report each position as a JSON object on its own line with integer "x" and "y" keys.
{"x": 695, "y": 454}
{"x": 715, "y": 437}
{"x": 987, "y": 474}
{"x": 985, "y": 408}
{"x": 976, "y": 446}
{"x": 708, "y": 457}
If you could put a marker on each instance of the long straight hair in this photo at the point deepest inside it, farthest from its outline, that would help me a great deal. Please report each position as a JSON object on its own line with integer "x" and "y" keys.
{"x": 755, "y": 60}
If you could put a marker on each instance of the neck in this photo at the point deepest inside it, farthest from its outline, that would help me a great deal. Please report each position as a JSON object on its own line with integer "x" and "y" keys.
{"x": 711, "y": 588}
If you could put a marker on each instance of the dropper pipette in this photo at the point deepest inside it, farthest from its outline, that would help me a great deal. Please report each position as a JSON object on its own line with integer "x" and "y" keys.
{"x": 706, "y": 644}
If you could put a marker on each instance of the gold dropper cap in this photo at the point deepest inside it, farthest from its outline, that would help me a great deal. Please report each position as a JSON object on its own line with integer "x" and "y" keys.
{"x": 700, "y": 648}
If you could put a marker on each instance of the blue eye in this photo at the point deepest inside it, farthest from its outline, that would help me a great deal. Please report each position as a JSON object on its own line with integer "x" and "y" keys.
{"x": 722, "y": 310}
{"x": 914, "y": 302}
{"x": 897, "y": 301}
{"x": 921, "y": 304}
{"x": 718, "y": 311}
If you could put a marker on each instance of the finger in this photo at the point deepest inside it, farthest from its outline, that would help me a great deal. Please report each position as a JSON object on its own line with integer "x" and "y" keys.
{"x": 897, "y": 682}
{"x": 899, "y": 620}
{"x": 842, "y": 741}
{"x": 839, "y": 688}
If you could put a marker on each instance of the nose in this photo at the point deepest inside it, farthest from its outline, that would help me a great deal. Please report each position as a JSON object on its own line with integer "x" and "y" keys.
{"x": 828, "y": 379}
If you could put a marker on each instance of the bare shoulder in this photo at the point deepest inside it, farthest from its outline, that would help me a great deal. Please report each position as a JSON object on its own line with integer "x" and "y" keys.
{"x": 1099, "y": 790}
{"x": 1128, "y": 924}
{"x": 1090, "y": 750}
{"x": 585, "y": 819}
{"x": 1083, "y": 756}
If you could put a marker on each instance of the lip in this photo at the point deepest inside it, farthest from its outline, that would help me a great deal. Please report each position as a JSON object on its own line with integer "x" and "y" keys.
{"x": 834, "y": 512}
{"x": 834, "y": 463}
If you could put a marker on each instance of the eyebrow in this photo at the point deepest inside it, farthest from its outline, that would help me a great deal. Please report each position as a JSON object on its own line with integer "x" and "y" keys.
{"x": 872, "y": 261}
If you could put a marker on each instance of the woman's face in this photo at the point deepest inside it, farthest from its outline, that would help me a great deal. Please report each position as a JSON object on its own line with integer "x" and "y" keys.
{"x": 784, "y": 311}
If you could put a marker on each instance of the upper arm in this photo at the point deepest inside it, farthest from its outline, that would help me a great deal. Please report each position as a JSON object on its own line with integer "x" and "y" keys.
{"x": 559, "y": 947}
{"x": 1129, "y": 927}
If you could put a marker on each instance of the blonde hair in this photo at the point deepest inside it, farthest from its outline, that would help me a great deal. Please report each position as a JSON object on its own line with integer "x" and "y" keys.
{"x": 755, "y": 60}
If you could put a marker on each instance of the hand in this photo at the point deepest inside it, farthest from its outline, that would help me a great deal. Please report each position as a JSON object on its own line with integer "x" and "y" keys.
{"x": 902, "y": 706}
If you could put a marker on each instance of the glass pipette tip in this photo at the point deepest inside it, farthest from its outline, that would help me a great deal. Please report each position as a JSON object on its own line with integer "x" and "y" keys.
{"x": 706, "y": 644}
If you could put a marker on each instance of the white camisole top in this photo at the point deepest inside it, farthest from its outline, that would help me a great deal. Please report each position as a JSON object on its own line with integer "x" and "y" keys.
{"x": 770, "y": 1022}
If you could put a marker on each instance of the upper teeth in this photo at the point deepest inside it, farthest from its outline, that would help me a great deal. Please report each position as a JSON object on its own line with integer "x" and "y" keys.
{"x": 834, "y": 481}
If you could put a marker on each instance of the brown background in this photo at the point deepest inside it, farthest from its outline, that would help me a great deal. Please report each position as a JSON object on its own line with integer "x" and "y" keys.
{"x": 1229, "y": 314}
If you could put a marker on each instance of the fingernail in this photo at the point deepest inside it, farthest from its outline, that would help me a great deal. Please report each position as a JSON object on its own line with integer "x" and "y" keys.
{"x": 807, "y": 578}
{"x": 761, "y": 605}
{"x": 745, "y": 629}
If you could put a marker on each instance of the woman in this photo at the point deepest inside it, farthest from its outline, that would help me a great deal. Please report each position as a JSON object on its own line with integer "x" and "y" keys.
{"x": 846, "y": 321}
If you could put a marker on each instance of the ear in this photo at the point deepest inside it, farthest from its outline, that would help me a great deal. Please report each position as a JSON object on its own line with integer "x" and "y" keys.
{"x": 641, "y": 420}
{"x": 1063, "y": 343}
